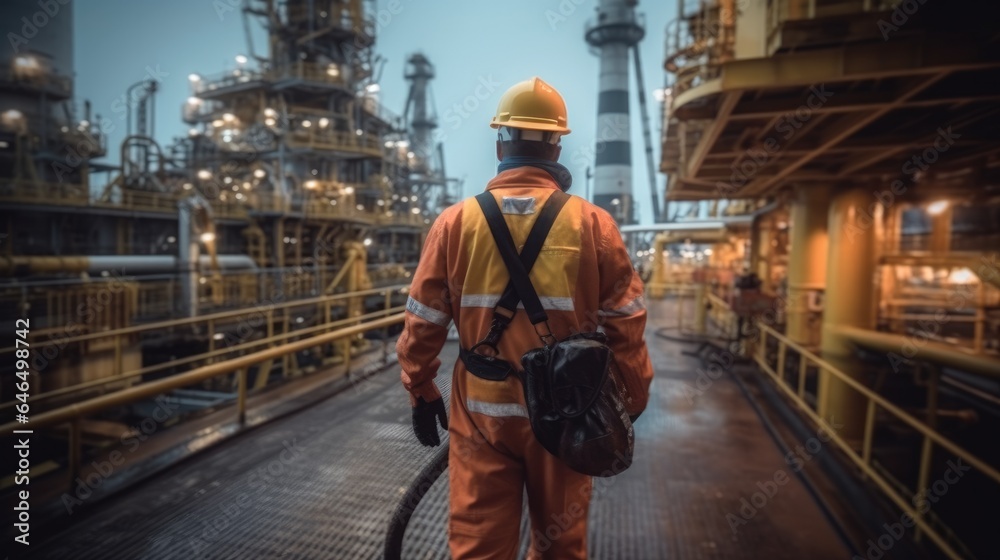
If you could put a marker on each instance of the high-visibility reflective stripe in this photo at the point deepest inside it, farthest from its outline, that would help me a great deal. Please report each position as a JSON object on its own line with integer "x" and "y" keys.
{"x": 520, "y": 205}
{"x": 427, "y": 313}
{"x": 496, "y": 410}
{"x": 551, "y": 303}
{"x": 631, "y": 308}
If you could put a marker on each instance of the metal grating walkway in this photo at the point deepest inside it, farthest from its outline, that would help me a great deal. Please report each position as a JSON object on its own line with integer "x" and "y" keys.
{"x": 323, "y": 483}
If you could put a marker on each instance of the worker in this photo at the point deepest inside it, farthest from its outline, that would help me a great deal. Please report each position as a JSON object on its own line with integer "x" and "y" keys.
{"x": 585, "y": 280}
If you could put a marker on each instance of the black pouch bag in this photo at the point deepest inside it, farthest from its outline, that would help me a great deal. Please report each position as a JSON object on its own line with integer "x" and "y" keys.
{"x": 575, "y": 401}
{"x": 576, "y": 404}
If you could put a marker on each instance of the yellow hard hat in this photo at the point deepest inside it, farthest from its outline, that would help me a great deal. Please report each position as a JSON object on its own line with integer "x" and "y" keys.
{"x": 532, "y": 105}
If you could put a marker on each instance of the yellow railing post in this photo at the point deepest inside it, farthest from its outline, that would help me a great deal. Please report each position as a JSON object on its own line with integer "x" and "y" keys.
{"x": 923, "y": 479}
{"x": 700, "y": 311}
{"x": 866, "y": 445}
{"x": 803, "y": 366}
{"x": 75, "y": 449}
{"x": 782, "y": 349}
{"x": 241, "y": 396}
{"x": 118, "y": 356}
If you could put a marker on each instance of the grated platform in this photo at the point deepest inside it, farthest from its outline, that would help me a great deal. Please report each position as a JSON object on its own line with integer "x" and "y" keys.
{"x": 323, "y": 483}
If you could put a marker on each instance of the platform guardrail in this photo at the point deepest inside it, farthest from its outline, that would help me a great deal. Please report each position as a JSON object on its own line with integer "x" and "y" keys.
{"x": 776, "y": 370}
{"x": 272, "y": 315}
{"x": 73, "y": 414}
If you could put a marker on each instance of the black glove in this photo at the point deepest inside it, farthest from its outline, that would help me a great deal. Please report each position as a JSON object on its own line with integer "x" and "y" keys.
{"x": 425, "y": 417}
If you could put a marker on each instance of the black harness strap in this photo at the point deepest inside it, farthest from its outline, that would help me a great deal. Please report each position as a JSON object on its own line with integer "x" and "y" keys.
{"x": 518, "y": 266}
{"x": 518, "y": 287}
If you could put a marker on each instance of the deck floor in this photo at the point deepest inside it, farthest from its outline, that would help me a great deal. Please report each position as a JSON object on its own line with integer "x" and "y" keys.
{"x": 323, "y": 483}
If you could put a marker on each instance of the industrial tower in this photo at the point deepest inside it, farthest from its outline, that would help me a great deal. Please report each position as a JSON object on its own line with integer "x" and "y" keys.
{"x": 426, "y": 156}
{"x": 615, "y": 30}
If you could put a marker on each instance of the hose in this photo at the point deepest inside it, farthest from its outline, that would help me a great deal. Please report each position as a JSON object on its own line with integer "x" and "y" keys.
{"x": 410, "y": 500}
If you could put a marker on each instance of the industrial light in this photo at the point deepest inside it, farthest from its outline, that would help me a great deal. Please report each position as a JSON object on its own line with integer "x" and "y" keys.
{"x": 188, "y": 186}
{"x": 938, "y": 207}
{"x": 306, "y": 124}
{"x": 349, "y": 190}
{"x": 360, "y": 207}
{"x": 708, "y": 251}
{"x": 410, "y": 155}
{"x": 311, "y": 184}
{"x": 359, "y": 132}
{"x": 194, "y": 78}
{"x": 195, "y": 101}
{"x": 171, "y": 239}
{"x": 269, "y": 121}
{"x": 380, "y": 202}
{"x": 259, "y": 173}
{"x": 228, "y": 117}
{"x": 217, "y": 123}
{"x": 615, "y": 202}
{"x": 332, "y": 70}
{"x": 269, "y": 112}
{"x": 207, "y": 237}
{"x": 367, "y": 241}
{"x": 405, "y": 199}
{"x": 961, "y": 276}
{"x": 25, "y": 61}
{"x": 415, "y": 211}
{"x": 324, "y": 122}
{"x": 11, "y": 116}
{"x": 227, "y": 180}
{"x": 413, "y": 197}
{"x": 204, "y": 174}
{"x": 241, "y": 60}
{"x": 388, "y": 144}
{"x": 373, "y": 88}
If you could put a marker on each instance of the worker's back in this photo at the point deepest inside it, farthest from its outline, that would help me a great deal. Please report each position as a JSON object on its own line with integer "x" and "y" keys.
{"x": 585, "y": 281}
{"x": 583, "y": 276}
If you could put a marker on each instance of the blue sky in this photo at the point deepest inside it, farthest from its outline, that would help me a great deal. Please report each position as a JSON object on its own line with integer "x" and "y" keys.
{"x": 478, "y": 49}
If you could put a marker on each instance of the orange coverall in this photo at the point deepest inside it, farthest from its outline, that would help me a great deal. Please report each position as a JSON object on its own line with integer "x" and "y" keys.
{"x": 585, "y": 280}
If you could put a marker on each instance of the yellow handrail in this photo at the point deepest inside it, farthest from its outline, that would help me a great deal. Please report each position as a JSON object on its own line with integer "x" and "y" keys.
{"x": 63, "y": 391}
{"x": 73, "y": 413}
{"x": 146, "y": 390}
{"x": 874, "y": 401}
{"x": 211, "y": 318}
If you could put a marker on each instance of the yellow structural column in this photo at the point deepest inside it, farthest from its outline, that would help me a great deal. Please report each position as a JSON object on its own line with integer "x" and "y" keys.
{"x": 807, "y": 263}
{"x": 849, "y": 301}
